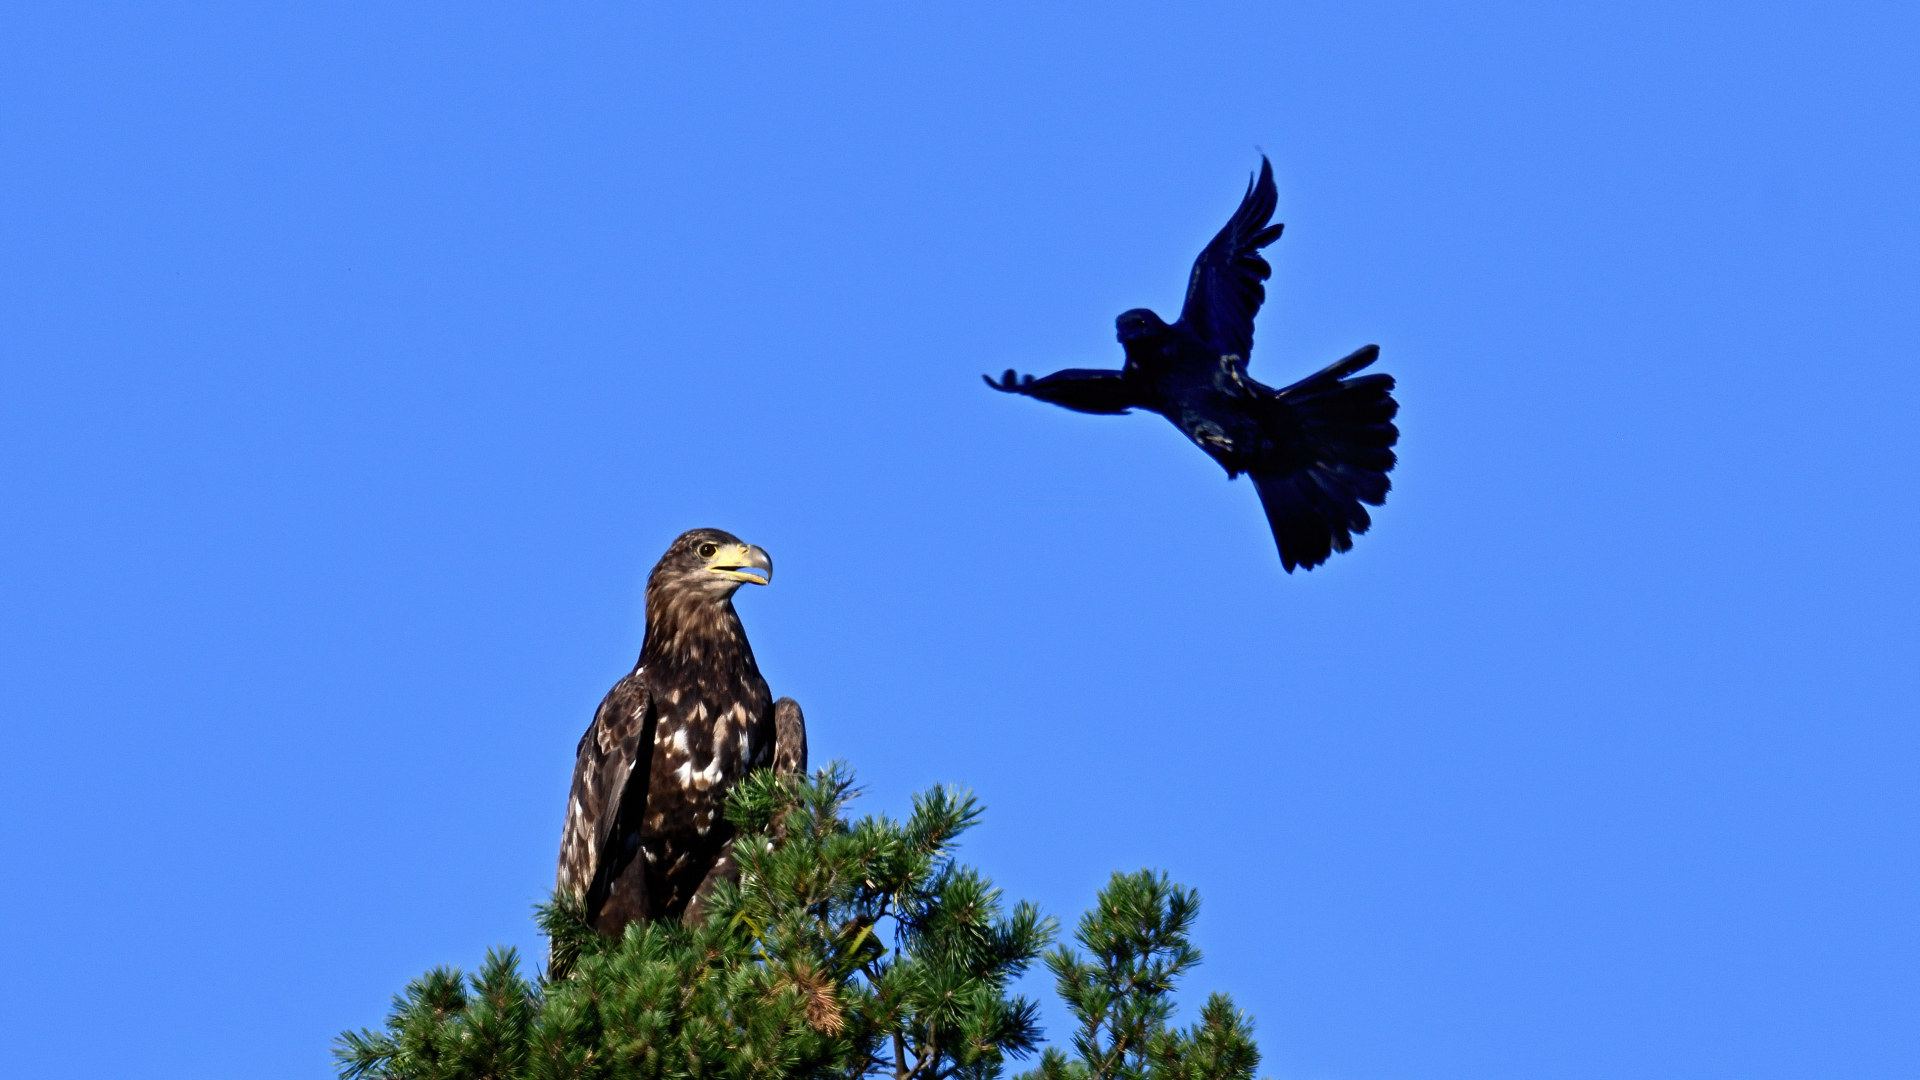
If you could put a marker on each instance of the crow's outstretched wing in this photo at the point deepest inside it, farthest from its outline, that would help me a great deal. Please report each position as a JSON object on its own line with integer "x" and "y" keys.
{"x": 1087, "y": 390}
{"x": 1225, "y": 291}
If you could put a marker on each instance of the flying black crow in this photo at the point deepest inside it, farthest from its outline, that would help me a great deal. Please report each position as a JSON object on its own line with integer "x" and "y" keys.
{"x": 1315, "y": 450}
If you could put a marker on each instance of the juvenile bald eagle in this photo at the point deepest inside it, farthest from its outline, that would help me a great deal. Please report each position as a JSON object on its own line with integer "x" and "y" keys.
{"x": 646, "y": 833}
{"x": 1316, "y": 450}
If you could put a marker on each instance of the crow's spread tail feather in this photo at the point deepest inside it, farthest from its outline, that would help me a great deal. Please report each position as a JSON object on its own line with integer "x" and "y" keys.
{"x": 1346, "y": 432}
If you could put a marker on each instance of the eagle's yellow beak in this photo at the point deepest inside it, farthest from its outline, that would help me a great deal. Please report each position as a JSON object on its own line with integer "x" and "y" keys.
{"x": 742, "y": 562}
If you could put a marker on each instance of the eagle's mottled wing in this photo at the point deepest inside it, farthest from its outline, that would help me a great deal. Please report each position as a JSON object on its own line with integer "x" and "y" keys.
{"x": 603, "y": 767}
{"x": 1225, "y": 292}
{"x": 789, "y": 738}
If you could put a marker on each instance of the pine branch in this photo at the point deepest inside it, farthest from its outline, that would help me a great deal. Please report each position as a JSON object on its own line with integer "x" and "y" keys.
{"x": 788, "y": 977}
{"x": 842, "y": 940}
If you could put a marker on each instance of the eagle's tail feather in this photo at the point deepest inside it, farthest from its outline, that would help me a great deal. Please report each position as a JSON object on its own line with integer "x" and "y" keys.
{"x": 1347, "y": 427}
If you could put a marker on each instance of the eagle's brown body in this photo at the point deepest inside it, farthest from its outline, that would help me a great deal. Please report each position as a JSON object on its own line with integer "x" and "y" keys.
{"x": 646, "y": 832}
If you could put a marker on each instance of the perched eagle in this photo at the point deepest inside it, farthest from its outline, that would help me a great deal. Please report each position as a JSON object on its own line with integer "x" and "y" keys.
{"x": 1315, "y": 450}
{"x": 646, "y": 833}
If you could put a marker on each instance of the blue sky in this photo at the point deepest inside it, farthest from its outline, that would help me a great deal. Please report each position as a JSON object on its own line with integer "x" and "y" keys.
{"x": 360, "y": 359}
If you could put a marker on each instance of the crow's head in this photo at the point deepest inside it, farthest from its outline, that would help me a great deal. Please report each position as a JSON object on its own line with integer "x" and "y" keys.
{"x": 1138, "y": 324}
{"x": 710, "y": 562}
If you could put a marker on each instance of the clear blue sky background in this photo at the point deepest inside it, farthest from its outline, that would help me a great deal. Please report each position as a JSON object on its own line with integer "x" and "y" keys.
{"x": 360, "y": 359}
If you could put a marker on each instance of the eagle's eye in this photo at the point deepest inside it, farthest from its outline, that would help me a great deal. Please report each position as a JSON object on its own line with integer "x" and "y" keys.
{"x": 707, "y": 550}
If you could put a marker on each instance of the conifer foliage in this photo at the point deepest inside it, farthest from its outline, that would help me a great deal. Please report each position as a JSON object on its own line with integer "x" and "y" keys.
{"x": 848, "y": 949}
{"x": 1122, "y": 997}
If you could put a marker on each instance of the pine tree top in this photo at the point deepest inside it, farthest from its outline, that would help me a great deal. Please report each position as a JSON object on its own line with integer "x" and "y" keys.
{"x": 848, "y": 948}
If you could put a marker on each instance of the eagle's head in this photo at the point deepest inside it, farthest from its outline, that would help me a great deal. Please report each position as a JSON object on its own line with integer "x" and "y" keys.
{"x": 710, "y": 562}
{"x": 1138, "y": 324}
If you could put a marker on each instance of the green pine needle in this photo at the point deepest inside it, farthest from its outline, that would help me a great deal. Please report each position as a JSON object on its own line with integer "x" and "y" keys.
{"x": 847, "y": 948}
